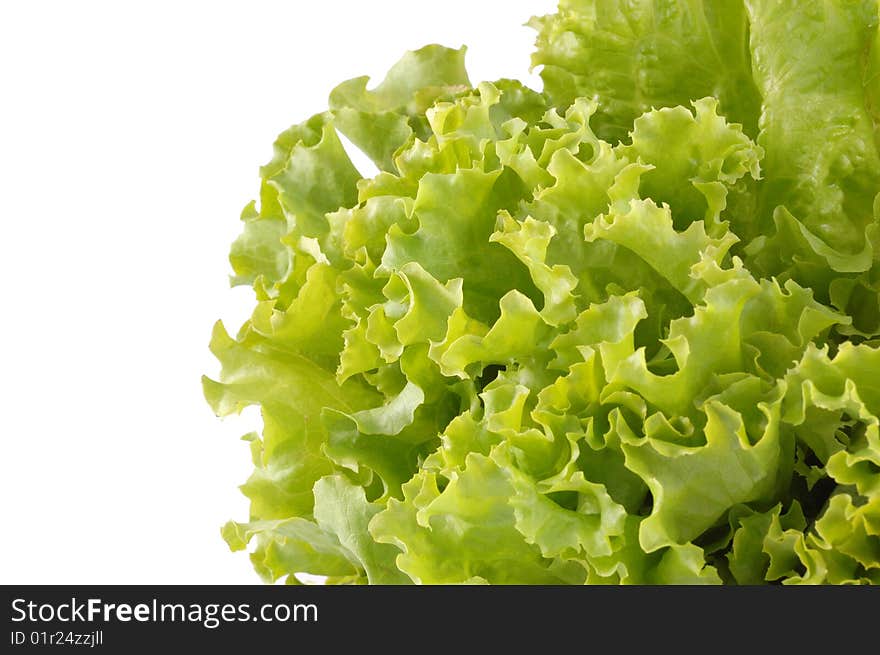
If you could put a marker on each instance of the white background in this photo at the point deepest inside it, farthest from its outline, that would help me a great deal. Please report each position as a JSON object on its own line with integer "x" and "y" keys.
{"x": 130, "y": 138}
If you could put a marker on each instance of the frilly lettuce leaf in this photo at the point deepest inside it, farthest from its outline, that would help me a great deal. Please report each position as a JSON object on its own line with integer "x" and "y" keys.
{"x": 381, "y": 120}
{"x": 623, "y": 331}
{"x": 643, "y": 54}
{"x": 803, "y": 80}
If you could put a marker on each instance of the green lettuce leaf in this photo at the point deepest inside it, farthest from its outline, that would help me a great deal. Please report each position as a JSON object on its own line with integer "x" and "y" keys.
{"x": 625, "y": 330}
{"x": 643, "y": 54}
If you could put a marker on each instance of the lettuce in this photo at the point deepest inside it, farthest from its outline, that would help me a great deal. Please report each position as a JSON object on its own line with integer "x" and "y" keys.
{"x": 622, "y": 331}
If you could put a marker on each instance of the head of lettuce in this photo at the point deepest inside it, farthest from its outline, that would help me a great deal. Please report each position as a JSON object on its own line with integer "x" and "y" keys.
{"x": 624, "y": 330}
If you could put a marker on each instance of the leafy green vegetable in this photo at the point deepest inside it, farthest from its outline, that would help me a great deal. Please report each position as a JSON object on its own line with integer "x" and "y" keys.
{"x": 626, "y": 330}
